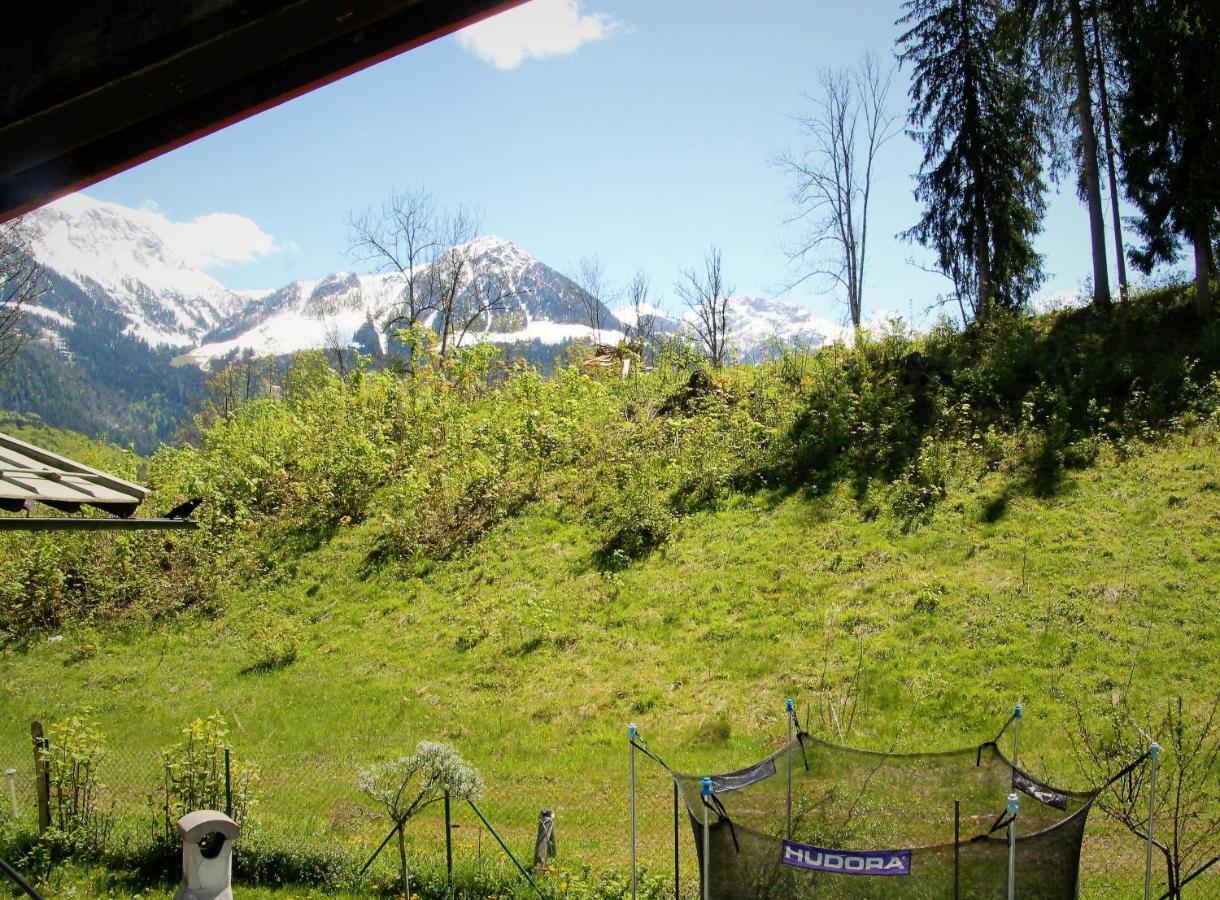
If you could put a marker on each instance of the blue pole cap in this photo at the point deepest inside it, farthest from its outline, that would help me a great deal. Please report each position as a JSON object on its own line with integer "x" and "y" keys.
{"x": 632, "y": 731}
{"x": 790, "y": 706}
{"x": 1016, "y": 710}
{"x": 707, "y": 786}
{"x": 1154, "y": 750}
{"x": 1012, "y": 804}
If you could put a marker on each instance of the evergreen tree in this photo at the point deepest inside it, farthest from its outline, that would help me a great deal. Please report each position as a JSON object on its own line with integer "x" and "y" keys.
{"x": 981, "y": 177}
{"x": 1064, "y": 75}
{"x": 1169, "y": 127}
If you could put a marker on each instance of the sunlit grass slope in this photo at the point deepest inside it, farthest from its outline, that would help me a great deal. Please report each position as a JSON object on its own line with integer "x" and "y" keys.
{"x": 531, "y": 659}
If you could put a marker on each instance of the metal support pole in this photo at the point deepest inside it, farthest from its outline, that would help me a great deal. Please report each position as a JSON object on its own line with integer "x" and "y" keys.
{"x": 790, "y": 711}
{"x": 1154, "y": 754}
{"x": 632, "y": 731}
{"x": 448, "y": 847}
{"x": 677, "y": 880}
{"x": 15, "y": 877}
{"x": 1016, "y": 734}
{"x": 1013, "y": 807}
{"x": 957, "y": 848}
{"x": 706, "y": 792}
{"x": 503, "y": 846}
{"x": 228, "y": 786}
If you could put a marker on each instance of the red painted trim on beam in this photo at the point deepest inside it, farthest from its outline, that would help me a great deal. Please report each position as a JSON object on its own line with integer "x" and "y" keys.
{"x": 337, "y": 75}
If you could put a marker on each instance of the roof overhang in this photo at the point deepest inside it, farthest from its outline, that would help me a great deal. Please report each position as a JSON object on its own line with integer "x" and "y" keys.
{"x": 31, "y": 475}
{"x": 91, "y": 87}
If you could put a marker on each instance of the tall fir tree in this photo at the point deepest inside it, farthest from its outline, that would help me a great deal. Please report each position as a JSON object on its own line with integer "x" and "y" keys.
{"x": 980, "y": 181}
{"x": 1103, "y": 64}
{"x": 1169, "y": 128}
{"x": 1065, "y": 77}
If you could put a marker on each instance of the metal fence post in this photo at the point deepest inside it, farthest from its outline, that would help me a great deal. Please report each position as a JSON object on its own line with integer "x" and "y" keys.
{"x": 10, "y": 775}
{"x": 1154, "y": 754}
{"x": 1013, "y": 807}
{"x": 957, "y": 848}
{"x": 42, "y": 778}
{"x": 677, "y": 881}
{"x": 228, "y": 786}
{"x": 789, "y": 709}
{"x": 632, "y": 731}
{"x": 706, "y": 793}
{"x": 448, "y": 848}
{"x": 1016, "y": 734}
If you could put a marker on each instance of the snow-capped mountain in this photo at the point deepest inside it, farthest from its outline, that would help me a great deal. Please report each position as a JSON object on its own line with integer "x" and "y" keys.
{"x": 532, "y": 302}
{"x": 121, "y": 260}
{"x": 130, "y": 318}
{"x": 133, "y": 270}
{"x": 756, "y": 324}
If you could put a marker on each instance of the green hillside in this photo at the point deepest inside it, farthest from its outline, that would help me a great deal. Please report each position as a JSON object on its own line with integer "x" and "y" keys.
{"x": 908, "y": 538}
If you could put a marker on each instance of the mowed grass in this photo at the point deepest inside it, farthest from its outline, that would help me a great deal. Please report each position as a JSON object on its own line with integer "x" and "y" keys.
{"x": 532, "y": 661}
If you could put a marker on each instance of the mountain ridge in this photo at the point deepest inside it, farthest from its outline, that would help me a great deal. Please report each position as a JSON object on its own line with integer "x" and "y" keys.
{"x": 117, "y": 256}
{"x": 130, "y": 323}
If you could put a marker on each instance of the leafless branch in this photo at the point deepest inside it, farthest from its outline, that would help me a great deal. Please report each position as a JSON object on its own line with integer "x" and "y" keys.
{"x": 706, "y": 295}
{"x": 21, "y": 284}
{"x": 832, "y": 176}
{"x": 591, "y": 277}
{"x": 642, "y": 331}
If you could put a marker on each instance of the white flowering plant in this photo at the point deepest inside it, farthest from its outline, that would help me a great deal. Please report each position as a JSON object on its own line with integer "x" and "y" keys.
{"x": 408, "y": 784}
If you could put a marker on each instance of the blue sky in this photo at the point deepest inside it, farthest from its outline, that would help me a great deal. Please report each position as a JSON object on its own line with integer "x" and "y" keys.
{"x": 649, "y": 139}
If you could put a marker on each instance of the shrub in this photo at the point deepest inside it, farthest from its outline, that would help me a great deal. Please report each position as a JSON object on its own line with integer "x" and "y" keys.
{"x": 74, "y": 750}
{"x": 194, "y": 776}
{"x": 274, "y": 642}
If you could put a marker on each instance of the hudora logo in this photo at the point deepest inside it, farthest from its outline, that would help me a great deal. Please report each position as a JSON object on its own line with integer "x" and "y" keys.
{"x": 879, "y": 862}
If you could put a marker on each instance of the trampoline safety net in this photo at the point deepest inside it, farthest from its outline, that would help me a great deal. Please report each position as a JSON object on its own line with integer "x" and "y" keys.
{"x": 867, "y": 824}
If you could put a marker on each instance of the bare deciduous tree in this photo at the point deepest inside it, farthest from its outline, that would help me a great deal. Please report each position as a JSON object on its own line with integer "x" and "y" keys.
{"x": 406, "y": 786}
{"x": 1187, "y": 829}
{"x": 591, "y": 277}
{"x": 21, "y": 283}
{"x": 399, "y": 238}
{"x": 706, "y": 295}
{"x": 461, "y": 297}
{"x": 833, "y": 175}
{"x": 642, "y": 331}
{"x": 429, "y": 251}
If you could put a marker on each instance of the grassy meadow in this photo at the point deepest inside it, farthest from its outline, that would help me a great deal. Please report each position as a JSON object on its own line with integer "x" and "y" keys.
{"x": 530, "y": 646}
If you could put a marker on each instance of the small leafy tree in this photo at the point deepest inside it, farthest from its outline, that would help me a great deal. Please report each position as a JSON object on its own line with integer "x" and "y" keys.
{"x": 1186, "y": 834}
{"x": 195, "y": 775}
{"x": 409, "y": 784}
{"x": 73, "y": 751}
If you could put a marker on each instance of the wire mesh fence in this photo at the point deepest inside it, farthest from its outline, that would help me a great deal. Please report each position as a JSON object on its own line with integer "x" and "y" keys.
{"x": 310, "y": 812}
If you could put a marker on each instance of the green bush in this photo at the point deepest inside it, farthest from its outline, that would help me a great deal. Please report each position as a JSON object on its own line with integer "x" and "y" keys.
{"x": 428, "y": 457}
{"x": 73, "y": 751}
{"x": 194, "y": 777}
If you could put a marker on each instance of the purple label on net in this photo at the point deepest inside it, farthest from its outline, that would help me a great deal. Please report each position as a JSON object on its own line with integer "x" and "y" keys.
{"x": 846, "y": 862}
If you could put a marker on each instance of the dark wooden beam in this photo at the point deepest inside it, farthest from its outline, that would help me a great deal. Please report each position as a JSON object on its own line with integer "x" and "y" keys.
{"x": 91, "y": 87}
{"x": 67, "y": 523}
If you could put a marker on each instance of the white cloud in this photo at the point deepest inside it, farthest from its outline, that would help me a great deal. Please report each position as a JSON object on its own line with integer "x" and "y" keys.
{"x": 536, "y": 30}
{"x": 216, "y": 239}
{"x": 207, "y": 241}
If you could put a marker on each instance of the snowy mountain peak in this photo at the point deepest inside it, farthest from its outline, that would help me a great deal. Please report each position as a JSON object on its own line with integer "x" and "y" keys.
{"x": 752, "y": 321}
{"x": 138, "y": 260}
{"x": 148, "y": 270}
